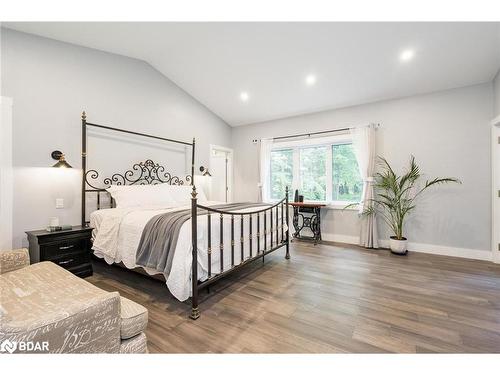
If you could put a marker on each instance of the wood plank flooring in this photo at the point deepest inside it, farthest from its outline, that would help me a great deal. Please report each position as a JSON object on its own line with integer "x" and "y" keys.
{"x": 327, "y": 299}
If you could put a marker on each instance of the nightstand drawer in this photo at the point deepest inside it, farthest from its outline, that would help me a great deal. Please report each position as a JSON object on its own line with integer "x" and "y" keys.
{"x": 59, "y": 249}
{"x": 71, "y": 260}
{"x": 69, "y": 249}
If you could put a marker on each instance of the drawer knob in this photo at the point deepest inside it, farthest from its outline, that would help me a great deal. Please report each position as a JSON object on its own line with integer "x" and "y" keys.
{"x": 66, "y": 247}
{"x": 65, "y": 261}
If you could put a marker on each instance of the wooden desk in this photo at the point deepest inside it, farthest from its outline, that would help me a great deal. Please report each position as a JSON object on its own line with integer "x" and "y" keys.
{"x": 312, "y": 222}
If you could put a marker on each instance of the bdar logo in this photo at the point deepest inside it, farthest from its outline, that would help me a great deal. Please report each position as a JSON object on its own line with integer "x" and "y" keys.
{"x": 8, "y": 346}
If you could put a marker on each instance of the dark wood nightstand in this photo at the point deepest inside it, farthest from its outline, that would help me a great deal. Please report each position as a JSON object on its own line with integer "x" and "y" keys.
{"x": 69, "y": 249}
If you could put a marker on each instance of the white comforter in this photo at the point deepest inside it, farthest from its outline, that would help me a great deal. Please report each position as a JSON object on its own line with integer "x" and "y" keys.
{"x": 117, "y": 232}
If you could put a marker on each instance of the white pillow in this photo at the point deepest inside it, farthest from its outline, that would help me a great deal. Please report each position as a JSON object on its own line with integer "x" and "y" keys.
{"x": 181, "y": 194}
{"x": 201, "y": 194}
{"x": 141, "y": 195}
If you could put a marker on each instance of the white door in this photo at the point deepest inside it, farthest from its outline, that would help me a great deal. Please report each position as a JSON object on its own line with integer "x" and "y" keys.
{"x": 6, "y": 180}
{"x": 221, "y": 169}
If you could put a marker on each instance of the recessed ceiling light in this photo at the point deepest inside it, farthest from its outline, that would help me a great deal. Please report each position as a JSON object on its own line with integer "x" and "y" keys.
{"x": 244, "y": 96}
{"x": 310, "y": 79}
{"x": 407, "y": 55}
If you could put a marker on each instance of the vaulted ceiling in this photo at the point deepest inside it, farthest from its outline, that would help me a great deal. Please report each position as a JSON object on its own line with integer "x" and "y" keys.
{"x": 251, "y": 72}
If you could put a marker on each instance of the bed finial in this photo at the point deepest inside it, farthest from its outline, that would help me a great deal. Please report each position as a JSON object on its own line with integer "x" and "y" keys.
{"x": 84, "y": 116}
{"x": 194, "y": 193}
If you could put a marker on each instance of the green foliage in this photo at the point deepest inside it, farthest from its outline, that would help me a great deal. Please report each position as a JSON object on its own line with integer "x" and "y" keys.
{"x": 396, "y": 195}
{"x": 281, "y": 172}
{"x": 347, "y": 182}
{"x": 313, "y": 173}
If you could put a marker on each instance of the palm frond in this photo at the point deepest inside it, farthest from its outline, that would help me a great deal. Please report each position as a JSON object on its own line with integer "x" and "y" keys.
{"x": 441, "y": 181}
{"x": 437, "y": 181}
{"x": 396, "y": 194}
{"x": 351, "y": 205}
{"x": 411, "y": 176}
{"x": 386, "y": 165}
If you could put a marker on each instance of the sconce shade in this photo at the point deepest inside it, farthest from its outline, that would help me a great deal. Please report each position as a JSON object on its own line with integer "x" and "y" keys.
{"x": 61, "y": 160}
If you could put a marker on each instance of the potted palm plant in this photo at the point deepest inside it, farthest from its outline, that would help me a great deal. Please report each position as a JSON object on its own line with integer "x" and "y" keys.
{"x": 395, "y": 198}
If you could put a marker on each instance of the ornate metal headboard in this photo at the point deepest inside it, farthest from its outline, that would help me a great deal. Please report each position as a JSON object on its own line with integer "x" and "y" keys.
{"x": 143, "y": 173}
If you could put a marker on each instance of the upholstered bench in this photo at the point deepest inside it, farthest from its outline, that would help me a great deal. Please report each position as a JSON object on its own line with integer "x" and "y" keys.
{"x": 133, "y": 322}
{"x": 44, "y": 303}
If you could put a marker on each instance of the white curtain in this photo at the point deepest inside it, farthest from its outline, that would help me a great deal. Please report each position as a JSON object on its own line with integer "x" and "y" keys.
{"x": 264, "y": 165}
{"x": 363, "y": 140}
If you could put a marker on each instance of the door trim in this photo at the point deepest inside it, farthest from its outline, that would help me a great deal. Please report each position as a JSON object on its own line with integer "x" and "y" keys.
{"x": 231, "y": 172}
{"x": 495, "y": 184}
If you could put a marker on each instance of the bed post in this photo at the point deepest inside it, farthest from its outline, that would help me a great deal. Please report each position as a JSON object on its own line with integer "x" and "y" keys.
{"x": 195, "y": 312}
{"x": 192, "y": 163}
{"x": 287, "y": 256}
{"x": 84, "y": 162}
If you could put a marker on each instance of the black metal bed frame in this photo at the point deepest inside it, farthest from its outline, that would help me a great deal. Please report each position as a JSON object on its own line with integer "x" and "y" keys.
{"x": 149, "y": 173}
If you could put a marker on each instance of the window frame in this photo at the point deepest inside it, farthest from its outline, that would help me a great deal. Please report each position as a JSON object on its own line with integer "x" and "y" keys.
{"x": 296, "y": 146}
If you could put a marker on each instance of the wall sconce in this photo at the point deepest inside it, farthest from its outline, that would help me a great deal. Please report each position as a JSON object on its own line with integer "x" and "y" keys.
{"x": 204, "y": 171}
{"x": 61, "y": 161}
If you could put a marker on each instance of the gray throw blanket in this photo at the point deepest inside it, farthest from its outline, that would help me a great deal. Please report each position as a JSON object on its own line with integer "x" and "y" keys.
{"x": 159, "y": 237}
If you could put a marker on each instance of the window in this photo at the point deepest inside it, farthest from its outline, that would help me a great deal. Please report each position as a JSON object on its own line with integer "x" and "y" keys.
{"x": 346, "y": 180}
{"x": 322, "y": 169}
{"x": 313, "y": 173}
{"x": 281, "y": 172}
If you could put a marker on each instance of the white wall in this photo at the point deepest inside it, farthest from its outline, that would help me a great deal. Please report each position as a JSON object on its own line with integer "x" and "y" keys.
{"x": 6, "y": 187}
{"x": 51, "y": 83}
{"x": 449, "y": 134}
{"x": 496, "y": 93}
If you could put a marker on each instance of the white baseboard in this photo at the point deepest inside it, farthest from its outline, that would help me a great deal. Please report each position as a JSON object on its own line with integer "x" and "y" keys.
{"x": 340, "y": 238}
{"x": 419, "y": 247}
{"x": 459, "y": 252}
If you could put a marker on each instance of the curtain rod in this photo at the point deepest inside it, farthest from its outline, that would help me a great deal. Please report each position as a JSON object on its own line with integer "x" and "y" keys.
{"x": 314, "y": 133}
{"x": 309, "y": 134}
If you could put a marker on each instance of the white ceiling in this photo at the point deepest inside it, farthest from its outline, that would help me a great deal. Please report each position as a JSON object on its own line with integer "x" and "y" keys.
{"x": 354, "y": 63}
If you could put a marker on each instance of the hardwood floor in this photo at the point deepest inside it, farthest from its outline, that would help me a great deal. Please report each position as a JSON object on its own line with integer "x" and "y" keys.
{"x": 327, "y": 299}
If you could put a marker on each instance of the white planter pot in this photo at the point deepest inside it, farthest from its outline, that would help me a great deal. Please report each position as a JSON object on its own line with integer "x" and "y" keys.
{"x": 398, "y": 246}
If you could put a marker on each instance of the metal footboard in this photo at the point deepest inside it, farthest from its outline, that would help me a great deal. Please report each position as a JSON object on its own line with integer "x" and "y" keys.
{"x": 270, "y": 232}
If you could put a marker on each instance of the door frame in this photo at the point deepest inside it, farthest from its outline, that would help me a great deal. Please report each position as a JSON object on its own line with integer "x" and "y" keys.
{"x": 230, "y": 179}
{"x": 495, "y": 184}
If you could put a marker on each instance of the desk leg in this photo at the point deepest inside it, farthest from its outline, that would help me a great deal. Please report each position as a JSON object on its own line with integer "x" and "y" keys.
{"x": 296, "y": 222}
{"x": 317, "y": 231}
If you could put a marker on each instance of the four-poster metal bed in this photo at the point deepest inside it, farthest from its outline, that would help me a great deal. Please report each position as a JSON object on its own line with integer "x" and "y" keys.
{"x": 149, "y": 173}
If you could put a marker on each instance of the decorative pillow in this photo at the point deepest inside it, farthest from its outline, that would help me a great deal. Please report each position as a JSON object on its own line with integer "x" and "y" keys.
{"x": 141, "y": 195}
